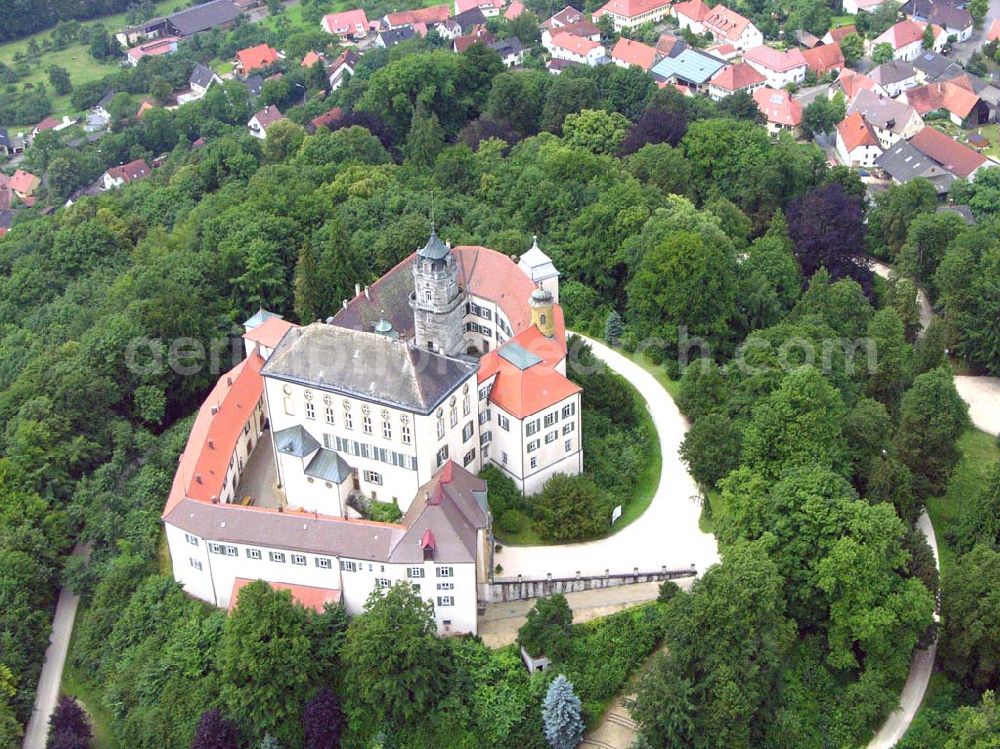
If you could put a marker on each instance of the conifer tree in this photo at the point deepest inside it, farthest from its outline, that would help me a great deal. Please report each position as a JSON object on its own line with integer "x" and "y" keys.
{"x": 561, "y": 714}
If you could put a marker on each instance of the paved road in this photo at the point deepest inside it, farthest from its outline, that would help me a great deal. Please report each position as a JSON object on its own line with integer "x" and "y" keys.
{"x": 962, "y": 52}
{"x": 55, "y": 657}
{"x": 667, "y": 533}
{"x": 983, "y": 396}
{"x": 898, "y": 722}
{"x": 926, "y": 311}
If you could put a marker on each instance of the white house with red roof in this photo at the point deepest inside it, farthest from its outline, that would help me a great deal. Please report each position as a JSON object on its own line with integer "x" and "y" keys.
{"x": 734, "y": 78}
{"x": 779, "y": 67}
{"x": 728, "y": 26}
{"x": 853, "y": 7}
{"x": 628, "y": 52}
{"x": 489, "y": 8}
{"x": 780, "y": 110}
{"x": 563, "y": 45}
{"x": 857, "y": 143}
{"x": 470, "y": 351}
{"x": 255, "y": 58}
{"x": 691, "y": 14}
{"x": 348, "y": 24}
{"x": 564, "y": 17}
{"x": 627, "y": 14}
{"x": 906, "y": 39}
{"x": 164, "y": 45}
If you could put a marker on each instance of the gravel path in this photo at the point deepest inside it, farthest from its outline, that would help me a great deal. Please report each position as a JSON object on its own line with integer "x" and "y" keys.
{"x": 667, "y": 534}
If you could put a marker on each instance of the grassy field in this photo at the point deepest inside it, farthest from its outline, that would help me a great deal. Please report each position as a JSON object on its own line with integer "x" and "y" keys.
{"x": 979, "y": 454}
{"x": 644, "y": 491}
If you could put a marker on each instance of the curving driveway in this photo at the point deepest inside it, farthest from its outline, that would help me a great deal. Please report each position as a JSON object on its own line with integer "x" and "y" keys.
{"x": 667, "y": 534}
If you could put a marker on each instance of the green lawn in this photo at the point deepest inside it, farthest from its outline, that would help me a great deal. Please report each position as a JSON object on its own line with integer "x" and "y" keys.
{"x": 672, "y": 387}
{"x": 979, "y": 454}
{"x": 76, "y": 684}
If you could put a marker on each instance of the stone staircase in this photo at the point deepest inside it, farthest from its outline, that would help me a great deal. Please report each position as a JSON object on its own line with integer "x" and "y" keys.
{"x": 616, "y": 731}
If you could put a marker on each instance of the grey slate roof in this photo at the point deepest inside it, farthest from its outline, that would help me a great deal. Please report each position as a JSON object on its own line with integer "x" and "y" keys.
{"x": 203, "y": 17}
{"x": 467, "y": 19}
{"x": 288, "y": 530}
{"x": 327, "y": 465}
{"x": 201, "y": 76}
{"x": 904, "y": 162}
{"x": 395, "y": 36}
{"x": 936, "y": 67}
{"x": 254, "y": 84}
{"x": 891, "y": 72}
{"x": 509, "y": 46}
{"x": 882, "y": 111}
{"x": 295, "y": 441}
{"x": 366, "y": 365}
{"x": 452, "y": 506}
{"x": 435, "y": 249}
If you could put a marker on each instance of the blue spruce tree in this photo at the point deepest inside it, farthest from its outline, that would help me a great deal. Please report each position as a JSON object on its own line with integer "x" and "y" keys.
{"x": 561, "y": 715}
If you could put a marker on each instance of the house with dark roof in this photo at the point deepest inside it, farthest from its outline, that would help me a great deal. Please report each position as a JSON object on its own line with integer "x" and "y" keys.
{"x": 951, "y": 16}
{"x": 891, "y": 120}
{"x": 689, "y": 67}
{"x": 461, "y": 24}
{"x": 221, "y": 14}
{"x": 202, "y": 78}
{"x": 263, "y": 119}
{"x": 254, "y": 83}
{"x": 904, "y": 162}
{"x": 391, "y": 37}
{"x": 895, "y": 76}
{"x": 11, "y": 145}
{"x": 342, "y": 68}
{"x": 510, "y": 50}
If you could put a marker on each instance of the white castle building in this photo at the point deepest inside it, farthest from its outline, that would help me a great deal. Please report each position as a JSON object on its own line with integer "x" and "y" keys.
{"x": 454, "y": 359}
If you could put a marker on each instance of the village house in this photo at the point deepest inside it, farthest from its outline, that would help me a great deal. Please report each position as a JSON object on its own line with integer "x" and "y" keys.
{"x": 728, "y": 26}
{"x": 627, "y": 52}
{"x": 565, "y": 17}
{"x": 24, "y": 184}
{"x": 479, "y": 35}
{"x": 779, "y": 68}
{"x": 391, "y": 37}
{"x": 161, "y": 46}
{"x": 563, "y": 45}
{"x": 904, "y": 162}
{"x": 733, "y": 78}
{"x": 895, "y": 76}
{"x": 906, "y": 40}
{"x": 255, "y": 58}
{"x": 836, "y": 35}
{"x": 857, "y": 144}
{"x": 953, "y": 17}
{"x": 461, "y": 24}
{"x": 853, "y": 7}
{"x": 956, "y": 157}
{"x": 932, "y": 66}
{"x": 691, "y": 14}
{"x": 349, "y": 24}
{"x": 891, "y": 120}
{"x": 221, "y": 14}
{"x": 489, "y": 8}
{"x": 202, "y": 79}
{"x": 311, "y": 58}
{"x": 514, "y": 10}
{"x": 326, "y": 120}
{"x": 824, "y": 59}
{"x": 11, "y": 145}
{"x": 628, "y": 14}
{"x": 263, "y": 119}
{"x": 342, "y": 68}
{"x": 781, "y": 112}
{"x": 850, "y": 84}
{"x": 428, "y": 17}
{"x": 118, "y": 176}
{"x": 510, "y": 50}
{"x": 964, "y": 107}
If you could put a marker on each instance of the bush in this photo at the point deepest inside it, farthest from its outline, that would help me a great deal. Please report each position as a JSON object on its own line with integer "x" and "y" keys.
{"x": 668, "y": 589}
{"x": 571, "y": 508}
{"x": 512, "y": 521}
{"x": 548, "y": 628}
{"x": 384, "y": 512}
{"x": 502, "y": 493}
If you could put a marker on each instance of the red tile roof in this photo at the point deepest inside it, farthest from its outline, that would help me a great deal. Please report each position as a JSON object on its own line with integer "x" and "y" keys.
{"x": 567, "y": 15}
{"x": 578, "y": 45}
{"x": 523, "y": 392}
{"x": 901, "y": 34}
{"x": 993, "y": 33}
{"x": 311, "y": 59}
{"x": 164, "y": 45}
{"x": 479, "y": 34}
{"x": 854, "y": 83}
{"x": 515, "y": 9}
{"x": 957, "y": 158}
{"x": 824, "y": 58}
{"x": 838, "y": 34}
{"x": 269, "y": 332}
{"x": 726, "y": 23}
{"x": 433, "y": 14}
{"x": 736, "y": 77}
{"x": 579, "y": 28}
{"x": 332, "y": 117}
{"x": 856, "y": 132}
{"x": 48, "y": 123}
{"x": 948, "y": 95}
{"x": 130, "y": 172}
{"x": 304, "y": 595}
{"x": 345, "y": 23}
{"x": 696, "y": 10}
{"x": 256, "y": 57}
{"x": 24, "y": 183}
{"x": 463, "y": 5}
{"x": 666, "y": 43}
{"x": 631, "y": 8}
{"x": 202, "y": 469}
{"x": 778, "y": 106}
{"x": 774, "y": 59}
{"x": 634, "y": 53}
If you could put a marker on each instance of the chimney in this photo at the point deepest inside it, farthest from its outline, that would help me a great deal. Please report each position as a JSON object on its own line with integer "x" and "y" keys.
{"x": 211, "y": 444}
{"x": 366, "y": 293}
{"x": 229, "y": 381}
{"x": 215, "y": 410}
{"x": 197, "y": 477}
{"x": 215, "y": 499}
{"x": 357, "y": 289}
{"x": 344, "y": 302}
